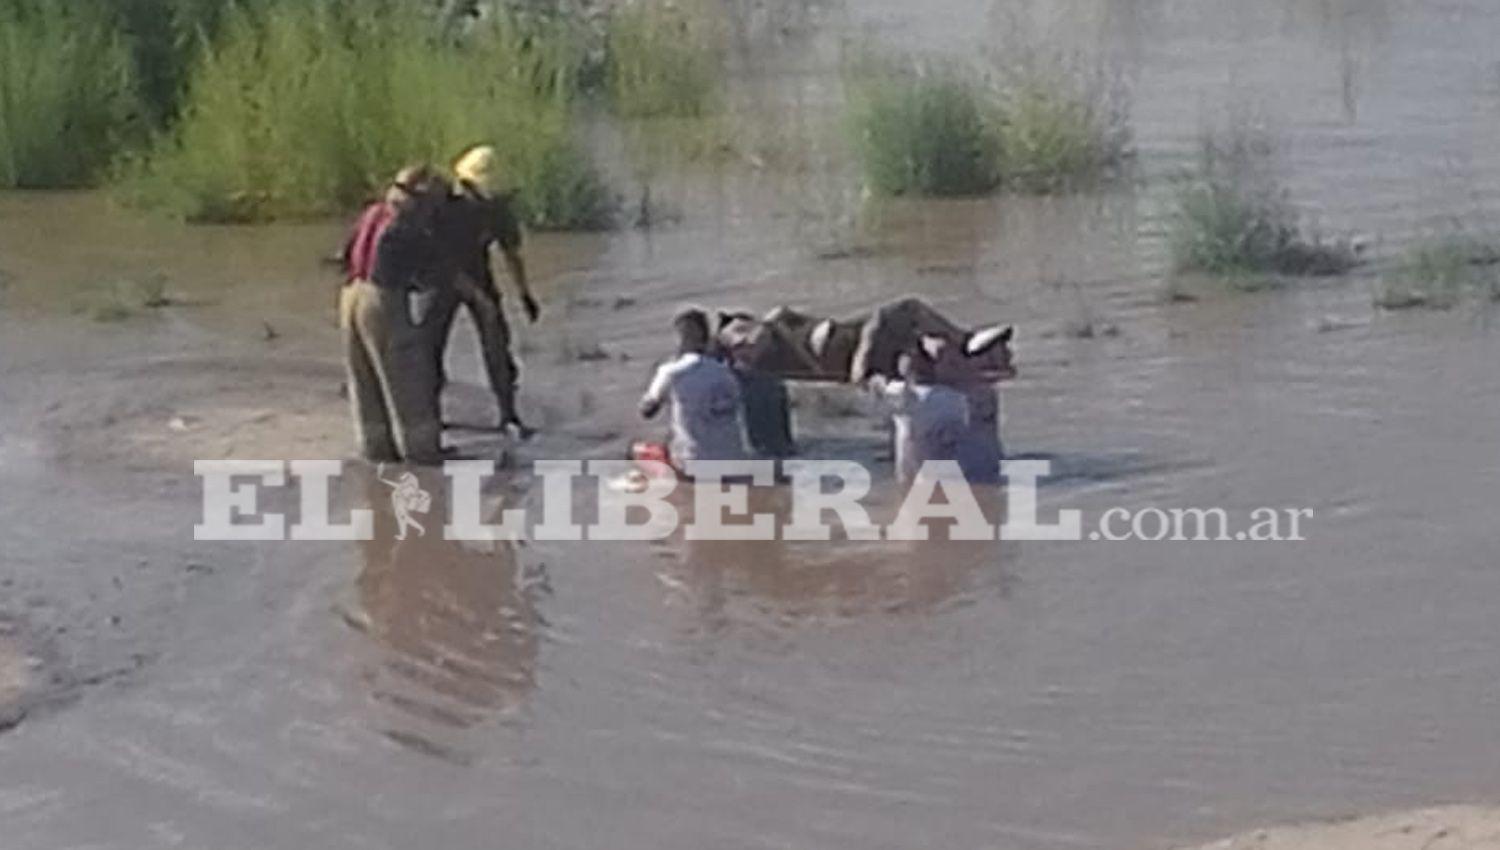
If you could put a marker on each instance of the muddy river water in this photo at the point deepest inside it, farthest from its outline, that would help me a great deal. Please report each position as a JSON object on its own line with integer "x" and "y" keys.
{"x": 159, "y": 692}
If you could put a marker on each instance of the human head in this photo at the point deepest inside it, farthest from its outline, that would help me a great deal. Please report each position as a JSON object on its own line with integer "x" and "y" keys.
{"x": 479, "y": 166}
{"x": 412, "y": 185}
{"x": 740, "y": 337}
{"x": 692, "y": 331}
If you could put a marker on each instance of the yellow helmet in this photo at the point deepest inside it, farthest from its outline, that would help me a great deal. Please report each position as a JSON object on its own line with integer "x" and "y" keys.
{"x": 480, "y": 166}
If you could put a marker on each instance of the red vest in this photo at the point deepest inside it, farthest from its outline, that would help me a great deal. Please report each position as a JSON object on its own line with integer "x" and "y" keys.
{"x": 359, "y": 259}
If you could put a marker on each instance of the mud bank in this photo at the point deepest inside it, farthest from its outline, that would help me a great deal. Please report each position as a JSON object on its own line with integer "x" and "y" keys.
{"x": 1445, "y": 828}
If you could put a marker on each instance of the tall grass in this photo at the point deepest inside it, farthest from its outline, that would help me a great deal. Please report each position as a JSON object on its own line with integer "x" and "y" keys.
{"x": 1059, "y": 127}
{"x": 928, "y": 128}
{"x": 928, "y": 132}
{"x": 663, "y": 59}
{"x": 67, "y": 96}
{"x": 1233, "y": 218}
{"x": 165, "y": 38}
{"x": 302, "y": 108}
{"x": 550, "y": 47}
{"x": 1440, "y": 271}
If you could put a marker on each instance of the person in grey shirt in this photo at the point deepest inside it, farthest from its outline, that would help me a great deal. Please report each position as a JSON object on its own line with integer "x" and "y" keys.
{"x": 980, "y": 452}
{"x": 930, "y": 419}
{"x": 704, "y": 395}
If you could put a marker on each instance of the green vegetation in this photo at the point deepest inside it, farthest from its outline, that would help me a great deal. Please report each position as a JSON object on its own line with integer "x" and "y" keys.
{"x": 302, "y": 109}
{"x": 81, "y": 81}
{"x": 551, "y": 51}
{"x": 662, "y": 59}
{"x": 264, "y": 109}
{"x": 924, "y": 133}
{"x": 67, "y": 96}
{"x": 1058, "y": 129}
{"x": 937, "y": 129}
{"x": 164, "y": 38}
{"x": 118, "y": 300}
{"x": 1439, "y": 272}
{"x": 1233, "y": 219}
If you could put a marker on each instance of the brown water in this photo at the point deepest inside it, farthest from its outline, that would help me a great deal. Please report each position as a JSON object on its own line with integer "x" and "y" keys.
{"x": 761, "y": 695}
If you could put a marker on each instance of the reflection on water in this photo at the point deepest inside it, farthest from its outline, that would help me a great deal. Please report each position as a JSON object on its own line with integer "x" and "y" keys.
{"x": 776, "y": 585}
{"x": 457, "y": 620}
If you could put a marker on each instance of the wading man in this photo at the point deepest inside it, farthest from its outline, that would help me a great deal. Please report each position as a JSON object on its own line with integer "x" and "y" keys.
{"x": 392, "y": 380}
{"x": 472, "y": 219}
{"x": 704, "y": 394}
{"x": 930, "y": 421}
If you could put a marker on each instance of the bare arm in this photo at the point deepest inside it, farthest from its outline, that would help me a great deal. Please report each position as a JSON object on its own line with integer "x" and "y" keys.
{"x": 656, "y": 394}
{"x": 515, "y": 266}
{"x": 505, "y": 230}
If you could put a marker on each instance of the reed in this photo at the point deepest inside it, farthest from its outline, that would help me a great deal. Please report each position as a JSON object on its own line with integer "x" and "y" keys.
{"x": 1440, "y": 271}
{"x": 663, "y": 59}
{"x": 164, "y": 38}
{"x": 304, "y": 109}
{"x": 939, "y": 128}
{"x": 1059, "y": 128}
{"x": 926, "y": 130}
{"x": 1233, "y": 218}
{"x": 67, "y": 94}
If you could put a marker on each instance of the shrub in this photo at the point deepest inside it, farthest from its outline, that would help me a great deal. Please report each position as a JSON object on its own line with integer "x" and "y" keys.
{"x": 662, "y": 59}
{"x": 1439, "y": 272}
{"x": 566, "y": 192}
{"x": 550, "y": 49}
{"x": 302, "y": 109}
{"x": 1218, "y": 228}
{"x": 67, "y": 100}
{"x": 164, "y": 38}
{"x": 121, "y": 299}
{"x": 925, "y": 132}
{"x": 938, "y": 129}
{"x": 1058, "y": 129}
{"x": 1232, "y": 217}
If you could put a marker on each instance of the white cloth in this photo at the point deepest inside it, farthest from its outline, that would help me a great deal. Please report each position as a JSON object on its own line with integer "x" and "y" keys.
{"x": 705, "y": 398}
{"x": 930, "y": 421}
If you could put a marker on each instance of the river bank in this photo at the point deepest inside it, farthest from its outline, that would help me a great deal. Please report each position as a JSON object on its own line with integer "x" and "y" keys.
{"x": 1450, "y": 828}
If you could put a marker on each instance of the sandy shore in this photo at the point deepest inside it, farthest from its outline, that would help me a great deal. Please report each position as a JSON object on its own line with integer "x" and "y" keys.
{"x": 1444, "y": 828}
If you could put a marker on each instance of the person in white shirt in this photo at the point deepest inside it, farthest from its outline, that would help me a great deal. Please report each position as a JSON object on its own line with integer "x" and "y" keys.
{"x": 704, "y": 396}
{"x": 930, "y": 419}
